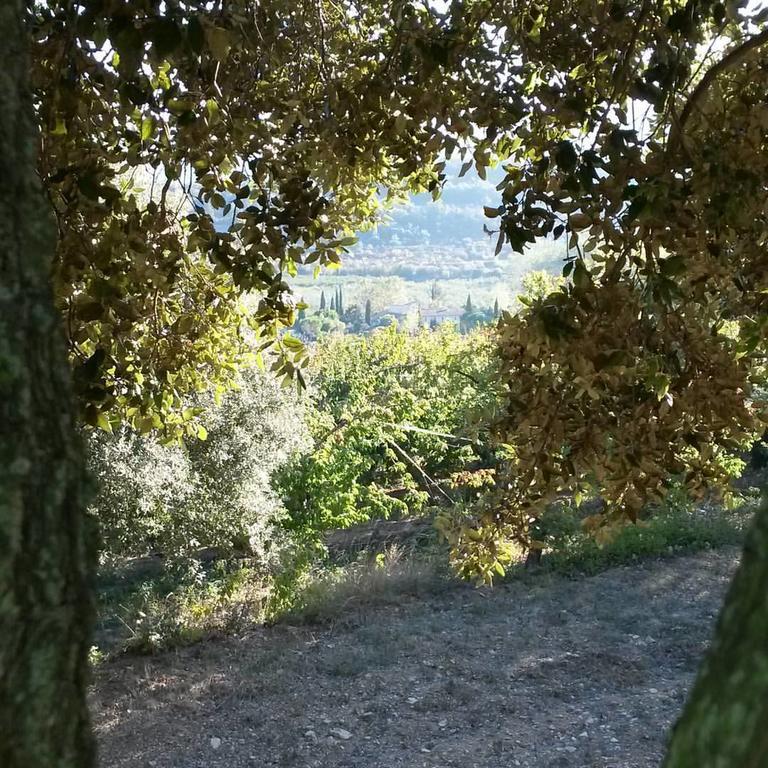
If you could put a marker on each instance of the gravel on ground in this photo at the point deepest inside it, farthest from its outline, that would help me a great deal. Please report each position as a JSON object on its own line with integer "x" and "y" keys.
{"x": 543, "y": 673}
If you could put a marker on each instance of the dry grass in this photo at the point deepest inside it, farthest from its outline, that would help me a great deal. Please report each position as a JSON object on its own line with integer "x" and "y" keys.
{"x": 383, "y": 580}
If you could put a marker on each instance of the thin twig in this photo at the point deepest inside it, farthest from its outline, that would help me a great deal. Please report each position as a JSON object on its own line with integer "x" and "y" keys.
{"x": 428, "y": 482}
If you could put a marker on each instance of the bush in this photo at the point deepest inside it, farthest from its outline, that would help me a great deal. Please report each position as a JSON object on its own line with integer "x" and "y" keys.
{"x": 325, "y": 595}
{"x": 674, "y": 528}
{"x": 215, "y": 492}
{"x": 320, "y": 324}
{"x": 392, "y": 413}
{"x": 182, "y": 605}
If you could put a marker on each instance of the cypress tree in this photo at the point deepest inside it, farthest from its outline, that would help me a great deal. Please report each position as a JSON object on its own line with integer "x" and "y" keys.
{"x": 368, "y": 312}
{"x": 322, "y": 300}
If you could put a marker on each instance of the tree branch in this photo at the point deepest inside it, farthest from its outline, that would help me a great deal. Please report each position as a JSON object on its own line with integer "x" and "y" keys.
{"x": 731, "y": 59}
{"x": 429, "y": 484}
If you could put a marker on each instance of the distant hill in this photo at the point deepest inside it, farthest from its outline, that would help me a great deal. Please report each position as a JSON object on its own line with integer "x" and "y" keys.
{"x": 428, "y": 240}
{"x": 425, "y": 242}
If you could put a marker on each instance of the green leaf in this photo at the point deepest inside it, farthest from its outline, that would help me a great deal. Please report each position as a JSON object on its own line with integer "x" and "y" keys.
{"x": 144, "y": 425}
{"x": 292, "y": 342}
{"x": 674, "y": 265}
{"x": 213, "y": 109}
{"x": 581, "y": 276}
{"x": 60, "y": 129}
{"x": 660, "y": 385}
{"x": 103, "y": 423}
{"x": 147, "y": 128}
{"x": 185, "y": 324}
{"x": 219, "y": 42}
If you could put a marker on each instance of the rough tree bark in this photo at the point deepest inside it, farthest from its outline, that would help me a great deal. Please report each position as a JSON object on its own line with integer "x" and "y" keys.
{"x": 46, "y": 549}
{"x": 725, "y": 721}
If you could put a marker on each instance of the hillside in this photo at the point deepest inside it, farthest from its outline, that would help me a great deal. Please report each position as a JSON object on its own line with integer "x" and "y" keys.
{"x": 555, "y": 673}
{"x": 441, "y": 241}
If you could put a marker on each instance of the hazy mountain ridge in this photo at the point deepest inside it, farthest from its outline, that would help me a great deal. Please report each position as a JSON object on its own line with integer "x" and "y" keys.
{"x": 444, "y": 239}
{"x": 434, "y": 241}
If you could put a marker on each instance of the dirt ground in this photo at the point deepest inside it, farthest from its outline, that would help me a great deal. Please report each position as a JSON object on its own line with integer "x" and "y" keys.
{"x": 553, "y": 673}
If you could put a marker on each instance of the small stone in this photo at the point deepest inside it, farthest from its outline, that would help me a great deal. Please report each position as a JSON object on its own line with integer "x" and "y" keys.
{"x": 311, "y": 735}
{"x": 341, "y": 733}
{"x": 442, "y": 723}
{"x": 412, "y": 699}
{"x": 215, "y": 742}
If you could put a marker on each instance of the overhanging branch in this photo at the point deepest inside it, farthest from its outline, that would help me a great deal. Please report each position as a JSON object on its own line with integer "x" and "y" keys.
{"x": 730, "y": 60}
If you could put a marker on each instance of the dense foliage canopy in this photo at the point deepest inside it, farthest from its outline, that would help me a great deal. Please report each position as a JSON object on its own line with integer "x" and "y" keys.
{"x": 215, "y": 493}
{"x": 282, "y": 121}
{"x": 641, "y": 368}
{"x": 397, "y": 419}
{"x": 634, "y": 131}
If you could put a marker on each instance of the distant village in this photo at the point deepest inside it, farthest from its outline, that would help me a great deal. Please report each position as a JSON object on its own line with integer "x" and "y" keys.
{"x": 333, "y": 316}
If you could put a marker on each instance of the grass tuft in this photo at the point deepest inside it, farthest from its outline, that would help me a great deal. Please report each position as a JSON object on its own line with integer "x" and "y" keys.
{"x": 669, "y": 532}
{"x": 383, "y": 580}
{"x": 184, "y": 606}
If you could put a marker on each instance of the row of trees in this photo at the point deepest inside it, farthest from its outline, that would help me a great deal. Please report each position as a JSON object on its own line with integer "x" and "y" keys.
{"x": 330, "y": 318}
{"x": 635, "y": 131}
{"x": 337, "y": 301}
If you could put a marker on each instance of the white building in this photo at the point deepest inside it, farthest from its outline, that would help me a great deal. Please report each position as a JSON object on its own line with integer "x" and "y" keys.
{"x": 436, "y": 315}
{"x": 401, "y": 311}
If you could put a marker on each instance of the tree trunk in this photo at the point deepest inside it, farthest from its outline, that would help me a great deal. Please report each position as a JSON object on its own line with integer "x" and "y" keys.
{"x": 46, "y": 549}
{"x": 725, "y": 721}
{"x": 533, "y": 558}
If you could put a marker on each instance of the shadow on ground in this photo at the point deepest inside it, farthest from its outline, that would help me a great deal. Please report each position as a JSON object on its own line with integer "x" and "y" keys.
{"x": 550, "y": 673}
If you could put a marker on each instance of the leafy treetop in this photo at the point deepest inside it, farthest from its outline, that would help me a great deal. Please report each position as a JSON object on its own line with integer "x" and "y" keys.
{"x": 635, "y": 131}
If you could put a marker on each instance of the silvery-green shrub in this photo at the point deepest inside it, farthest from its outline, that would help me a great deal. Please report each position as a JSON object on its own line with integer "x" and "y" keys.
{"x": 217, "y": 492}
